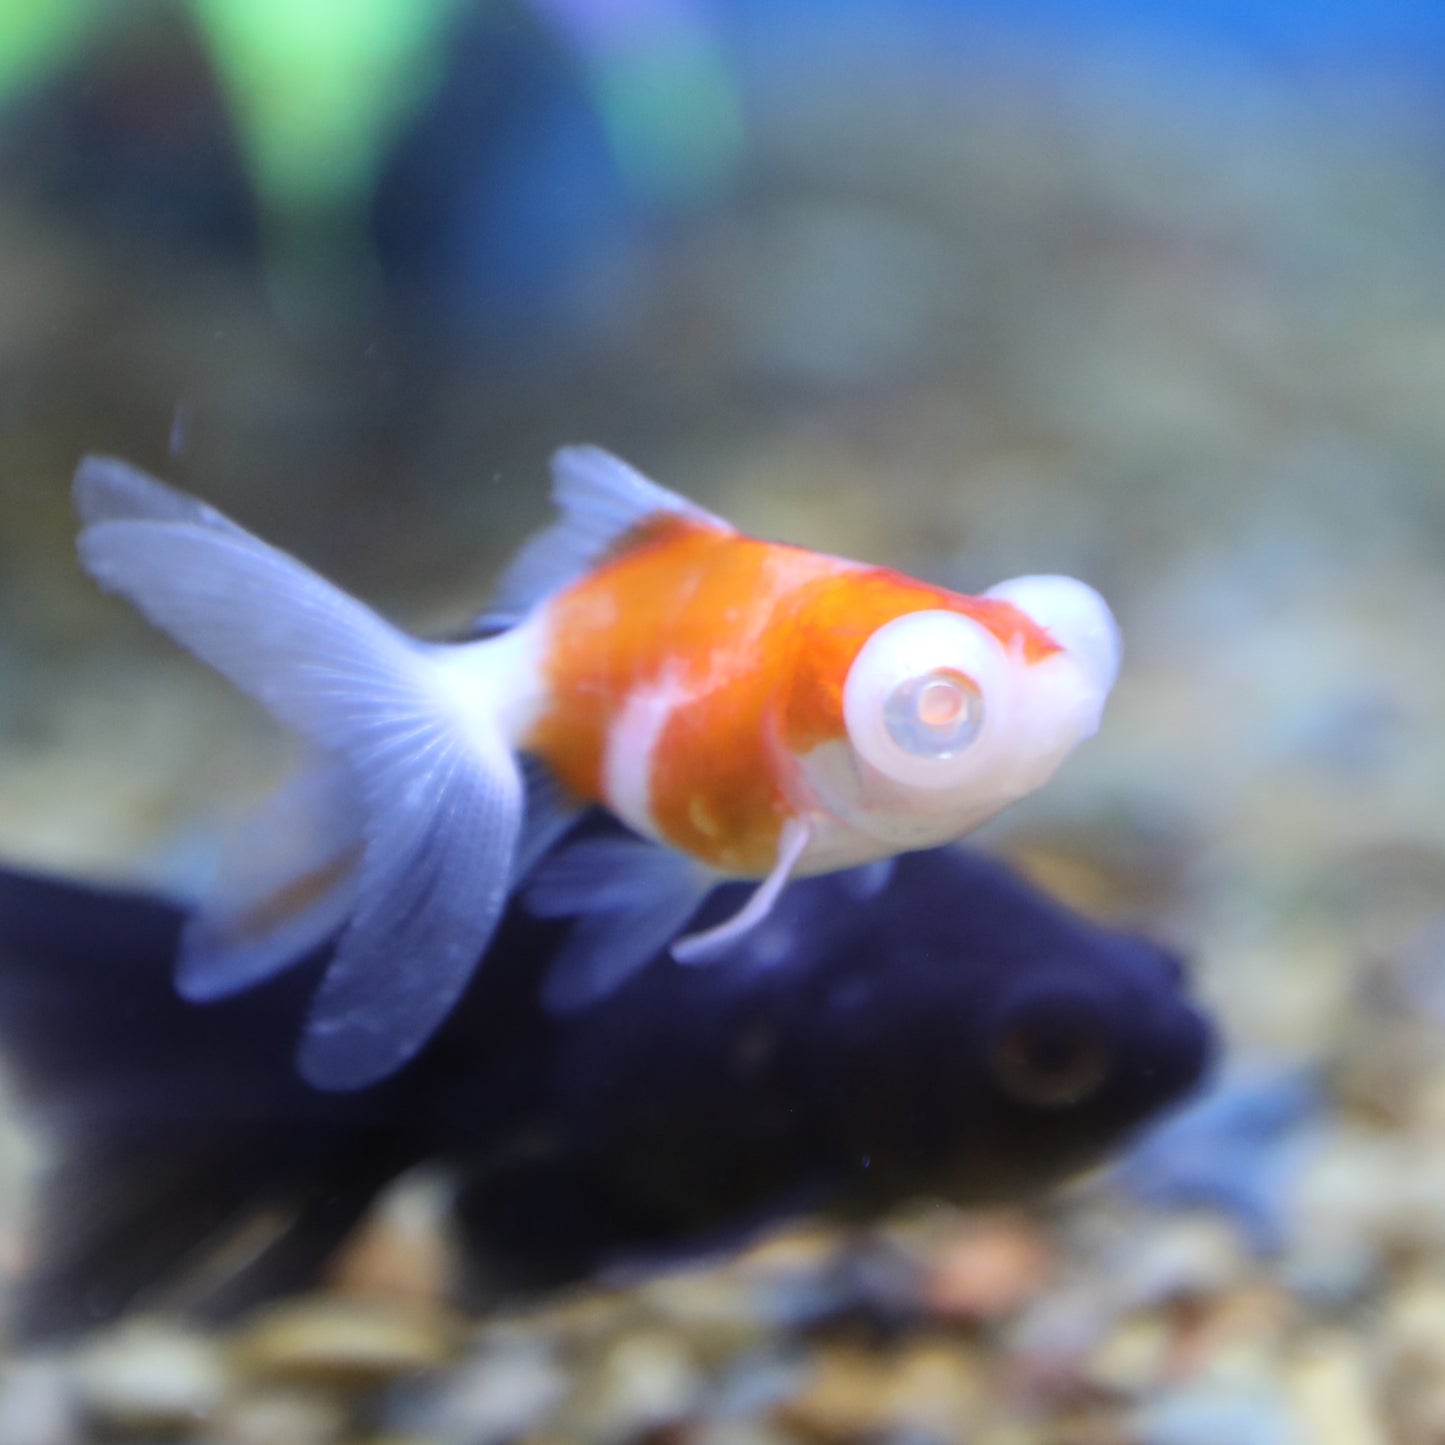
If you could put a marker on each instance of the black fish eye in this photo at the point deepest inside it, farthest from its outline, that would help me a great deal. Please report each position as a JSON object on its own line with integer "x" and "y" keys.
{"x": 1052, "y": 1058}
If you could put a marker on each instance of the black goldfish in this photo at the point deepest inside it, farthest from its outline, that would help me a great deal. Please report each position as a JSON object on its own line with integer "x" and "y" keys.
{"x": 955, "y": 1034}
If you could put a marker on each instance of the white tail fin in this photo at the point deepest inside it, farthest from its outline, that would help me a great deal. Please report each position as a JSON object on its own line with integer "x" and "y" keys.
{"x": 286, "y": 884}
{"x": 440, "y": 792}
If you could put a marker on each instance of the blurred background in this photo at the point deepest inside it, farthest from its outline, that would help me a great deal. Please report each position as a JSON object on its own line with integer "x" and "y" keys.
{"x": 1154, "y": 295}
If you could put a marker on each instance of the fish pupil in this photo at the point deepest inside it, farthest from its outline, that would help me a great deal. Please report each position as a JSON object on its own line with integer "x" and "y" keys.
{"x": 936, "y": 715}
{"x": 940, "y": 703}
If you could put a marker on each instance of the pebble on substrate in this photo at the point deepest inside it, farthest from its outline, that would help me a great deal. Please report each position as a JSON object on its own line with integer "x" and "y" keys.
{"x": 752, "y": 1383}
{"x": 151, "y": 1377}
{"x": 851, "y": 1393}
{"x": 37, "y": 1405}
{"x": 866, "y": 1285}
{"x": 716, "y": 1307}
{"x": 1133, "y": 1359}
{"x": 1381, "y": 1186}
{"x": 1410, "y": 1358}
{"x": 645, "y": 1380}
{"x": 1328, "y": 1380}
{"x": 339, "y": 1344}
{"x": 271, "y": 1416}
{"x": 1238, "y": 1339}
{"x": 1210, "y": 1416}
{"x": 510, "y": 1389}
{"x": 991, "y": 1268}
{"x": 1189, "y": 1257}
{"x": 1329, "y": 1269}
{"x": 840, "y": 1398}
{"x": 736, "y": 1432}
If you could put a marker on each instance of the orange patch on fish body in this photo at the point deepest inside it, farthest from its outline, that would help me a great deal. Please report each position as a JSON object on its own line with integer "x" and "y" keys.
{"x": 742, "y": 647}
{"x": 682, "y": 610}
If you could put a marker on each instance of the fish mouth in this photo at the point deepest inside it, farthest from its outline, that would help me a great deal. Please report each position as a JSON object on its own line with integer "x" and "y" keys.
{"x": 1197, "y": 1052}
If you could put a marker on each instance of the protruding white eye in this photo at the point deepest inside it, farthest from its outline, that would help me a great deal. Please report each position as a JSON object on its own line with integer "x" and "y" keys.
{"x": 936, "y": 715}
{"x": 1075, "y": 616}
{"x": 923, "y": 697}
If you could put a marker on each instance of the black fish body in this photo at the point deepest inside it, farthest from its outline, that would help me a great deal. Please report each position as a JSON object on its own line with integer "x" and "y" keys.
{"x": 956, "y": 1034}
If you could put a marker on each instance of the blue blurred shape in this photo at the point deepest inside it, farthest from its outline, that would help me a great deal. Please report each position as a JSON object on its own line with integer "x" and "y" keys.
{"x": 1355, "y": 32}
{"x": 1238, "y": 1150}
{"x": 663, "y": 86}
{"x": 1210, "y": 1415}
{"x": 503, "y": 190}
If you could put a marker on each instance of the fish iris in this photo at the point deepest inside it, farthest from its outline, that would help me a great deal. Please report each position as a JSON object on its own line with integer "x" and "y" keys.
{"x": 936, "y": 715}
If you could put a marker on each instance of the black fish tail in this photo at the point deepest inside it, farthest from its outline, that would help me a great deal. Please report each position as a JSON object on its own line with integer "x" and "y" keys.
{"x": 175, "y": 1137}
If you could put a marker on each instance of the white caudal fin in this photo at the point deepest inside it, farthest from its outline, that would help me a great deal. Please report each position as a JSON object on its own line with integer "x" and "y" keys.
{"x": 601, "y": 499}
{"x": 286, "y": 883}
{"x": 439, "y": 792}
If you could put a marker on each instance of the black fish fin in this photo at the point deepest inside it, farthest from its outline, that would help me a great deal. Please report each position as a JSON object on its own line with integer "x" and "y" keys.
{"x": 184, "y": 1163}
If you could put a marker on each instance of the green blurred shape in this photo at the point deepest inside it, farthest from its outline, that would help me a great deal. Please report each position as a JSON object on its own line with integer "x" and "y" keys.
{"x": 319, "y": 87}
{"x": 38, "y": 36}
{"x": 670, "y": 109}
{"x": 318, "y": 90}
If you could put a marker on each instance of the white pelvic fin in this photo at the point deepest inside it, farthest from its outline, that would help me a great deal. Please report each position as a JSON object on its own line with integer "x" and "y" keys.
{"x": 439, "y": 792}
{"x": 286, "y": 883}
{"x": 710, "y": 945}
{"x": 630, "y": 899}
{"x": 601, "y": 499}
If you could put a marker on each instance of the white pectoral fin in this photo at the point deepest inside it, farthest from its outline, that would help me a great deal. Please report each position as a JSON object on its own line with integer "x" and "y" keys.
{"x": 714, "y": 942}
{"x": 630, "y": 899}
{"x": 440, "y": 795}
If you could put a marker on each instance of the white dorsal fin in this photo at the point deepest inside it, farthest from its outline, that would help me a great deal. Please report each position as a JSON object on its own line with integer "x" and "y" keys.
{"x": 601, "y": 499}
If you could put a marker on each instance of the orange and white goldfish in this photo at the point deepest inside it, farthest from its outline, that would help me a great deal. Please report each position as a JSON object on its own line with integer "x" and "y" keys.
{"x": 750, "y": 709}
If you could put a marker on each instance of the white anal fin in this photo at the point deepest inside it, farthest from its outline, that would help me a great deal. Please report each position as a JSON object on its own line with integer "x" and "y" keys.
{"x": 440, "y": 794}
{"x": 286, "y": 883}
{"x": 630, "y": 899}
{"x": 710, "y": 945}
